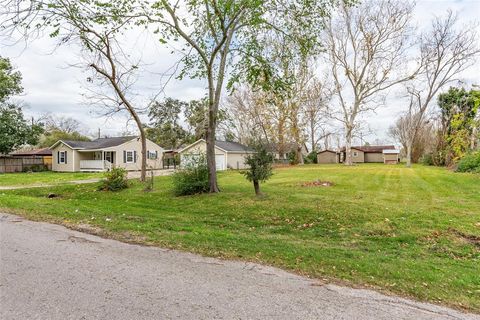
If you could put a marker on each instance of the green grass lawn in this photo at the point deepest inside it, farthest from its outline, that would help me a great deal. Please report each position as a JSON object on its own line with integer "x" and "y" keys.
{"x": 413, "y": 232}
{"x": 46, "y": 177}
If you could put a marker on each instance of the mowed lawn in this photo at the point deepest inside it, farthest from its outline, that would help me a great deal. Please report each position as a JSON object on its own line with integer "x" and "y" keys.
{"x": 412, "y": 232}
{"x": 46, "y": 177}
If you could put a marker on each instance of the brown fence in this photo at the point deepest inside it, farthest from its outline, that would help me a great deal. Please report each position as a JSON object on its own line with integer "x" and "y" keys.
{"x": 26, "y": 163}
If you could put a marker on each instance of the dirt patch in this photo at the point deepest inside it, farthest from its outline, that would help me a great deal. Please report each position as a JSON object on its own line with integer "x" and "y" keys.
{"x": 317, "y": 183}
{"x": 470, "y": 238}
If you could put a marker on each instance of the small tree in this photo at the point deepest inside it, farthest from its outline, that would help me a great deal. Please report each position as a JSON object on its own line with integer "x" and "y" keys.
{"x": 260, "y": 168}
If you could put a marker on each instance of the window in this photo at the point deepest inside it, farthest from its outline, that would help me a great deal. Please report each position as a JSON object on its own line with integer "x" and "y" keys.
{"x": 152, "y": 155}
{"x": 62, "y": 157}
{"x": 129, "y": 158}
{"x": 355, "y": 153}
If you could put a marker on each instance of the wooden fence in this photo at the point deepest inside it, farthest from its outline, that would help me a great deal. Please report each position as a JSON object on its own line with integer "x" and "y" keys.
{"x": 25, "y": 163}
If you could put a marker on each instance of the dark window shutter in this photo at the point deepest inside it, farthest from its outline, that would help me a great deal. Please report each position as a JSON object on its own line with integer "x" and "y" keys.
{"x": 65, "y": 157}
{"x": 134, "y": 156}
{"x": 124, "y": 156}
{"x": 156, "y": 154}
{"x": 58, "y": 157}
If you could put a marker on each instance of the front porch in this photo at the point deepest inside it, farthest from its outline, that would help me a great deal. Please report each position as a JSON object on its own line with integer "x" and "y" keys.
{"x": 96, "y": 161}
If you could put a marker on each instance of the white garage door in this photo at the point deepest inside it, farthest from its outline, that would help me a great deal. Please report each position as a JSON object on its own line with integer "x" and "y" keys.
{"x": 220, "y": 162}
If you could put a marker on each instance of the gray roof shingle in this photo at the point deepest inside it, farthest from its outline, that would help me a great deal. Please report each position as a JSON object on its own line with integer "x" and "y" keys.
{"x": 99, "y": 143}
{"x": 233, "y": 146}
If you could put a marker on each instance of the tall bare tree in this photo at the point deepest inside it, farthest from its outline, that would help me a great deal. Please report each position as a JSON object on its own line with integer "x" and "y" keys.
{"x": 446, "y": 50}
{"x": 424, "y": 143}
{"x": 315, "y": 111}
{"x": 367, "y": 47}
{"x": 92, "y": 26}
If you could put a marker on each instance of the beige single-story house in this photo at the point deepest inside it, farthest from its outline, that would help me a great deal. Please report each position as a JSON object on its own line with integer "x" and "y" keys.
{"x": 103, "y": 154}
{"x": 228, "y": 155}
{"x": 366, "y": 154}
{"x": 361, "y": 154}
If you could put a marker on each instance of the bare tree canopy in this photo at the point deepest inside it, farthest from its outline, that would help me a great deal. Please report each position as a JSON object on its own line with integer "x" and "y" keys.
{"x": 95, "y": 27}
{"x": 446, "y": 50}
{"x": 367, "y": 49}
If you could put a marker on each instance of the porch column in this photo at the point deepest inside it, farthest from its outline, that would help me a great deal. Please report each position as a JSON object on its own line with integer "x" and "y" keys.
{"x": 103, "y": 160}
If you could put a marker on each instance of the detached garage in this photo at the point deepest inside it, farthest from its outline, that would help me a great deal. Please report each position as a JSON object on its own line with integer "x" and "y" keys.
{"x": 228, "y": 155}
{"x": 327, "y": 156}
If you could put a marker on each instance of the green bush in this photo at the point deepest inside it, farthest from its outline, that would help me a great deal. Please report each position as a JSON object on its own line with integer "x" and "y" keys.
{"x": 292, "y": 157}
{"x": 115, "y": 180}
{"x": 427, "y": 159}
{"x": 192, "y": 179}
{"x": 469, "y": 163}
{"x": 35, "y": 168}
{"x": 311, "y": 158}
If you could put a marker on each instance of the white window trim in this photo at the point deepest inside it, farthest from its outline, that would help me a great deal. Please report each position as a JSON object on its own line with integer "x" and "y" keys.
{"x": 126, "y": 156}
{"x": 151, "y": 155}
{"x": 355, "y": 153}
{"x": 60, "y": 161}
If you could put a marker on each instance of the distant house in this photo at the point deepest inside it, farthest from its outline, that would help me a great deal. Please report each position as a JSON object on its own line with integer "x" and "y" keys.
{"x": 391, "y": 156}
{"x": 366, "y": 154}
{"x": 281, "y": 152}
{"x": 361, "y": 154}
{"x": 103, "y": 154}
{"x": 228, "y": 155}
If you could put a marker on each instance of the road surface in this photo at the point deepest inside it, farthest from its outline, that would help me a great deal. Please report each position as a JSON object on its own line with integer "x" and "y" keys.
{"x": 50, "y": 272}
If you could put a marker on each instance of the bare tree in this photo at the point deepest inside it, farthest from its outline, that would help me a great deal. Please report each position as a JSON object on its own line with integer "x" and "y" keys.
{"x": 247, "y": 109}
{"x": 92, "y": 26}
{"x": 65, "y": 124}
{"x": 315, "y": 111}
{"x": 446, "y": 50}
{"x": 366, "y": 47}
{"x": 400, "y": 131}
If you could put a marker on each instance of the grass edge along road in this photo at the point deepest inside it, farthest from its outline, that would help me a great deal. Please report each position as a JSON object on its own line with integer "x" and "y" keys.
{"x": 412, "y": 232}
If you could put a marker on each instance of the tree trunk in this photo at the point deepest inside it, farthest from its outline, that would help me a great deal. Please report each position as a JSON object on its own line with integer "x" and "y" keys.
{"x": 143, "y": 172}
{"x": 473, "y": 138}
{"x": 312, "y": 134}
{"x": 210, "y": 138}
{"x": 256, "y": 186}
{"x": 299, "y": 155}
{"x": 348, "y": 148}
{"x": 409, "y": 154}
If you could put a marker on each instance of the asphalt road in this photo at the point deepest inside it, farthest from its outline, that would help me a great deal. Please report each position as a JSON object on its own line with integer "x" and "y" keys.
{"x": 50, "y": 272}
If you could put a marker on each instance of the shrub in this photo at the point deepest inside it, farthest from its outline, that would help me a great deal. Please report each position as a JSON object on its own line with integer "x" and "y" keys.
{"x": 311, "y": 157}
{"x": 292, "y": 157}
{"x": 427, "y": 159}
{"x": 115, "y": 180}
{"x": 35, "y": 168}
{"x": 192, "y": 179}
{"x": 469, "y": 163}
{"x": 260, "y": 167}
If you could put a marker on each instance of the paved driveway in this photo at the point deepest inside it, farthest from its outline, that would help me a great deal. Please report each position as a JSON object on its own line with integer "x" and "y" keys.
{"x": 50, "y": 272}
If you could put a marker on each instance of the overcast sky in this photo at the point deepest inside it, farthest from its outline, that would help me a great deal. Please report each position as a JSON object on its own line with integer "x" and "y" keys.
{"x": 52, "y": 85}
